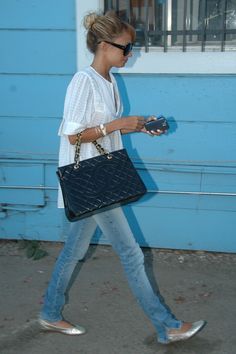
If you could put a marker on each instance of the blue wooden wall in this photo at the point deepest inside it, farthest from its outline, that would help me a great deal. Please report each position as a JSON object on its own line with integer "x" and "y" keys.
{"x": 190, "y": 173}
{"x": 37, "y": 61}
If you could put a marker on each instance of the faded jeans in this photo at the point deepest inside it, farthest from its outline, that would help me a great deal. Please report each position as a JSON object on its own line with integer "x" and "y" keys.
{"x": 115, "y": 227}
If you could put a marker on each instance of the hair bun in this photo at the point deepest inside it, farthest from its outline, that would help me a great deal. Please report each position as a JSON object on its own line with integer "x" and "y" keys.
{"x": 89, "y": 20}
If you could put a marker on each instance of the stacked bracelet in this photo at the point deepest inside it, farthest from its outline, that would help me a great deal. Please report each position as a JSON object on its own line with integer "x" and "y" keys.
{"x": 98, "y": 131}
{"x": 103, "y": 129}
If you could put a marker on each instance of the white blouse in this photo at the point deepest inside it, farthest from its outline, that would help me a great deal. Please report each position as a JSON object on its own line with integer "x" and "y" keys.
{"x": 90, "y": 100}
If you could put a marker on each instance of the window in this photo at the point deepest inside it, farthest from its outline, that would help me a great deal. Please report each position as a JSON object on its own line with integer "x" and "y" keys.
{"x": 173, "y": 36}
{"x": 195, "y": 25}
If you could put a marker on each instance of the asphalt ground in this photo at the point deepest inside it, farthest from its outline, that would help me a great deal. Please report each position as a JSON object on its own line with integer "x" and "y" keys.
{"x": 196, "y": 285}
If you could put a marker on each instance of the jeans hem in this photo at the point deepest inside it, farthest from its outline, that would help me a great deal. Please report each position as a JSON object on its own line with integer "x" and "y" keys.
{"x": 49, "y": 319}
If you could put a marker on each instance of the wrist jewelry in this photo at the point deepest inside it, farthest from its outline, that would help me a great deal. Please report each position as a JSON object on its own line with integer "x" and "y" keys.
{"x": 98, "y": 131}
{"x": 103, "y": 129}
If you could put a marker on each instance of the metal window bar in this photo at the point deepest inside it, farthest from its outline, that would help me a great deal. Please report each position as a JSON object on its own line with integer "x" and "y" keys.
{"x": 168, "y": 31}
{"x": 128, "y": 11}
{"x": 108, "y": 5}
{"x": 191, "y": 20}
{"x": 146, "y": 7}
{"x": 117, "y": 5}
{"x": 174, "y": 22}
{"x": 184, "y": 26}
{"x": 203, "y": 18}
{"x": 223, "y": 24}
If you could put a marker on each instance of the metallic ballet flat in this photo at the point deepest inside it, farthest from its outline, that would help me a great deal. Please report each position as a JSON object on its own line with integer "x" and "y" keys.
{"x": 175, "y": 337}
{"x": 73, "y": 331}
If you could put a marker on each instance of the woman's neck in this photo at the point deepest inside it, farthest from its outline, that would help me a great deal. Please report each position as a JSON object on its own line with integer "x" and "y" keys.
{"x": 101, "y": 68}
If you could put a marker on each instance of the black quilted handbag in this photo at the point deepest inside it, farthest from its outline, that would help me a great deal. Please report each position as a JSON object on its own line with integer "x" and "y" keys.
{"x": 99, "y": 183}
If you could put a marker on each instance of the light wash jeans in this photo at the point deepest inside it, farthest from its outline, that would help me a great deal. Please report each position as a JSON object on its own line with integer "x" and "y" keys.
{"x": 115, "y": 227}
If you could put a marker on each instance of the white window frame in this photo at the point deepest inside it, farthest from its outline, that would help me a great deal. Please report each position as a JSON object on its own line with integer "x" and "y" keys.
{"x": 155, "y": 62}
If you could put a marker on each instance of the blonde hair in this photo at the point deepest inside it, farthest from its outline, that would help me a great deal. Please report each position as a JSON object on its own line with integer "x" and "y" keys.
{"x": 105, "y": 28}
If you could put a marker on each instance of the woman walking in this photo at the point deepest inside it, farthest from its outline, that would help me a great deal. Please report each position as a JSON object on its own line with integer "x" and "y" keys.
{"x": 93, "y": 111}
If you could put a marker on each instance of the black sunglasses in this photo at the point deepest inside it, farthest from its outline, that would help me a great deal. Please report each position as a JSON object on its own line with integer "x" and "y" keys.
{"x": 126, "y": 48}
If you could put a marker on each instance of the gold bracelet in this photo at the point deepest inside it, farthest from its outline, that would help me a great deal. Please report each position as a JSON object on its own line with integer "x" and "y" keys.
{"x": 103, "y": 129}
{"x": 98, "y": 132}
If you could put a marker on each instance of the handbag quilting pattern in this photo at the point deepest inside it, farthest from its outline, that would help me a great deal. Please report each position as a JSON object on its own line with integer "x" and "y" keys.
{"x": 100, "y": 183}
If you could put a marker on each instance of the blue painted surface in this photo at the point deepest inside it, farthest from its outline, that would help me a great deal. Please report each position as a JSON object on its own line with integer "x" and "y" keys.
{"x": 197, "y": 156}
{"x": 38, "y": 137}
{"x": 188, "y": 98}
{"x": 37, "y": 61}
{"x": 37, "y": 14}
{"x": 37, "y": 51}
{"x": 33, "y": 95}
{"x": 22, "y": 175}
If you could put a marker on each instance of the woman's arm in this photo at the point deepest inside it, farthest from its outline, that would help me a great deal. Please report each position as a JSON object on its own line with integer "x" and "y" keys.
{"x": 124, "y": 124}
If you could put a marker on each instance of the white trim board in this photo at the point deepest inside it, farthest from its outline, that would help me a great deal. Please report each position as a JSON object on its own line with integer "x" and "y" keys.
{"x": 84, "y": 57}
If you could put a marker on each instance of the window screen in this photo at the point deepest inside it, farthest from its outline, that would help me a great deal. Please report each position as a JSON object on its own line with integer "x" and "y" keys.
{"x": 180, "y": 25}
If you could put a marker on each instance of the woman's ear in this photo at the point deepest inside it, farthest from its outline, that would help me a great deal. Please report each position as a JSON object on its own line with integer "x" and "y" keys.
{"x": 103, "y": 45}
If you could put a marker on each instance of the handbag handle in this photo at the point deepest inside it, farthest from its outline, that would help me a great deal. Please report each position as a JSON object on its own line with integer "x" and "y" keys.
{"x": 99, "y": 148}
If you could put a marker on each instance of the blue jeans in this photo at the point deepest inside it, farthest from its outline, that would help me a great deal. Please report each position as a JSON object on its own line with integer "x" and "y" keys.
{"x": 115, "y": 227}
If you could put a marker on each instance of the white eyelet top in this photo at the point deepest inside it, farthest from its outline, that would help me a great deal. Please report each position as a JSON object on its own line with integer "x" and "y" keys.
{"x": 90, "y": 100}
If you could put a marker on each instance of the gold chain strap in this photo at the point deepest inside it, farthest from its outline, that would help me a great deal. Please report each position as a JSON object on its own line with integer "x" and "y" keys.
{"x": 99, "y": 148}
{"x": 77, "y": 150}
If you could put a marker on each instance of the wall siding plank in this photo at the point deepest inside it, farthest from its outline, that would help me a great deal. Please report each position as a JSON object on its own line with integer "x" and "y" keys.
{"x": 38, "y": 137}
{"x": 50, "y": 14}
{"x": 32, "y": 95}
{"x": 183, "y": 98}
{"x": 193, "y": 143}
{"x": 37, "y": 52}
{"x": 186, "y": 229}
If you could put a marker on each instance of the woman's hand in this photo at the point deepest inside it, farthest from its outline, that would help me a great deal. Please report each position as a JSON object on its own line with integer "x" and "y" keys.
{"x": 152, "y": 132}
{"x": 132, "y": 123}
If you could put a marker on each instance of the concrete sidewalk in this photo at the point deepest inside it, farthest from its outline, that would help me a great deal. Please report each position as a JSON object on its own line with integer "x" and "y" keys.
{"x": 195, "y": 285}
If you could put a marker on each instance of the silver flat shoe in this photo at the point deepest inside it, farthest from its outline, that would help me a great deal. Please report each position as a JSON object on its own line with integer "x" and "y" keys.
{"x": 176, "y": 337}
{"x": 73, "y": 331}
